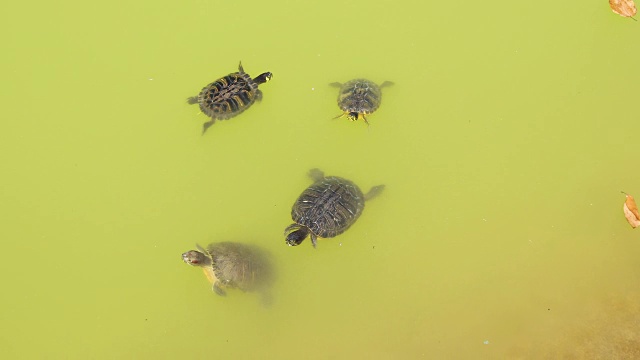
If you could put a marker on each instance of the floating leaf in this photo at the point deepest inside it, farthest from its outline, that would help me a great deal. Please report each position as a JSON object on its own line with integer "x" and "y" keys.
{"x": 624, "y": 8}
{"x": 631, "y": 211}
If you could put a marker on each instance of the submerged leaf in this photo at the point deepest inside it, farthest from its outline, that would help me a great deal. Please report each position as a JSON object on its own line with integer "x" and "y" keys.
{"x": 624, "y": 8}
{"x": 631, "y": 211}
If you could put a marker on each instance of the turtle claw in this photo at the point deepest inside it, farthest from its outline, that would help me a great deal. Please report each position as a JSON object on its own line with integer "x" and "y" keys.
{"x": 218, "y": 290}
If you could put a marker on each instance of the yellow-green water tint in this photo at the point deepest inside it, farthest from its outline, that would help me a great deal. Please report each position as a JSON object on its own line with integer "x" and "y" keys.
{"x": 504, "y": 144}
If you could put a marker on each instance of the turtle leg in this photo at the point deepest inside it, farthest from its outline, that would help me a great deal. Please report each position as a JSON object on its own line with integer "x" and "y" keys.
{"x": 266, "y": 299}
{"x": 335, "y": 84}
{"x": 258, "y": 96}
{"x": 365, "y": 120}
{"x": 386, "y": 83}
{"x": 218, "y": 289}
{"x": 375, "y": 191}
{"x": 341, "y": 115}
{"x": 192, "y": 100}
{"x": 206, "y": 125}
{"x": 314, "y": 240}
{"x": 316, "y": 174}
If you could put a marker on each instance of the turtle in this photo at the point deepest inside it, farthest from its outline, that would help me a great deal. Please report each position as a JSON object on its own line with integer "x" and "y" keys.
{"x": 359, "y": 97}
{"x": 233, "y": 265}
{"x": 327, "y": 208}
{"x": 229, "y": 96}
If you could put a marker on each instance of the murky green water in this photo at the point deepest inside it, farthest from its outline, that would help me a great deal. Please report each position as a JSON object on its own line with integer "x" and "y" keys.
{"x": 504, "y": 145}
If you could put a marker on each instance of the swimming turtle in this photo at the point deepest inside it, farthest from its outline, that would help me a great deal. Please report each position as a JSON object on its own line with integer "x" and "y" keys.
{"x": 327, "y": 208}
{"x": 229, "y": 96}
{"x": 233, "y": 265}
{"x": 359, "y": 97}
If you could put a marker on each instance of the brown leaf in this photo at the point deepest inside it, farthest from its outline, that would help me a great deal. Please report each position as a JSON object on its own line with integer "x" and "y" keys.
{"x": 624, "y": 8}
{"x": 631, "y": 211}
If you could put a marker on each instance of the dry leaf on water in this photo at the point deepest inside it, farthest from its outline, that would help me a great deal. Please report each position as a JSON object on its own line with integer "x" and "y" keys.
{"x": 631, "y": 211}
{"x": 624, "y": 8}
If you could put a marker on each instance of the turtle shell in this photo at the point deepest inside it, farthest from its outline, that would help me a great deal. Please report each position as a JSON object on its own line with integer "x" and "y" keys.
{"x": 329, "y": 206}
{"x": 233, "y": 265}
{"x": 240, "y": 266}
{"x": 229, "y": 96}
{"x": 359, "y": 97}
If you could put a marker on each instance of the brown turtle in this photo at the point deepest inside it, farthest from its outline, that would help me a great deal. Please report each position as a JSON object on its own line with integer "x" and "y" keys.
{"x": 233, "y": 265}
{"x": 229, "y": 96}
{"x": 359, "y": 97}
{"x": 327, "y": 208}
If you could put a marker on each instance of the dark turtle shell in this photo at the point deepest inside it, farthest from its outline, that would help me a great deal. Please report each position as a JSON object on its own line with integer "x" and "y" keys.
{"x": 229, "y": 96}
{"x": 327, "y": 208}
{"x": 233, "y": 265}
{"x": 359, "y": 97}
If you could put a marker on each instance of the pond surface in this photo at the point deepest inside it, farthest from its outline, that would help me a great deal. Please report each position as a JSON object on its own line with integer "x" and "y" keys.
{"x": 503, "y": 144}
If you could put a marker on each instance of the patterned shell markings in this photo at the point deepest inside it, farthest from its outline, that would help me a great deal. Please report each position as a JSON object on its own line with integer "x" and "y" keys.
{"x": 229, "y": 96}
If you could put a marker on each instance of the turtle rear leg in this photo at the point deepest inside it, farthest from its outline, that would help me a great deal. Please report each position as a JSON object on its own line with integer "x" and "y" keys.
{"x": 218, "y": 289}
{"x": 314, "y": 240}
{"x": 386, "y": 83}
{"x": 192, "y": 100}
{"x": 206, "y": 125}
{"x": 316, "y": 174}
{"x": 266, "y": 299}
{"x": 335, "y": 84}
{"x": 375, "y": 191}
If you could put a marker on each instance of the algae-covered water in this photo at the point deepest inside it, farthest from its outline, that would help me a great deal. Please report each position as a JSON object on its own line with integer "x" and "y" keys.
{"x": 504, "y": 145}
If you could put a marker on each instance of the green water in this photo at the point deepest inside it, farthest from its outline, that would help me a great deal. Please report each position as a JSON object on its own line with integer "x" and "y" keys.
{"x": 503, "y": 145}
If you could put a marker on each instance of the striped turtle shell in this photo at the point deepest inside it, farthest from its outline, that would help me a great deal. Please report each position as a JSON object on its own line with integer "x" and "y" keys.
{"x": 327, "y": 208}
{"x": 359, "y": 97}
{"x": 229, "y": 95}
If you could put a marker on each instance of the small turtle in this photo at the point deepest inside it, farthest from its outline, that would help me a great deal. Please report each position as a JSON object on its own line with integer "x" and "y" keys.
{"x": 359, "y": 97}
{"x": 326, "y": 208}
{"x": 229, "y": 95}
{"x": 233, "y": 265}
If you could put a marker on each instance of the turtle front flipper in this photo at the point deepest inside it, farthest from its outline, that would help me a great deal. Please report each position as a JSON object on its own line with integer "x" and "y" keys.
{"x": 314, "y": 240}
{"x": 375, "y": 191}
{"x": 386, "y": 83}
{"x": 218, "y": 289}
{"x": 258, "y": 96}
{"x": 335, "y": 84}
{"x": 192, "y": 100}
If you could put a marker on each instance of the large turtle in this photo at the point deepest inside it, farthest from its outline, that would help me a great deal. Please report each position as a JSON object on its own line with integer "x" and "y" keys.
{"x": 233, "y": 265}
{"x": 359, "y": 97}
{"x": 327, "y": 208}
{"x": 229, "y": 96}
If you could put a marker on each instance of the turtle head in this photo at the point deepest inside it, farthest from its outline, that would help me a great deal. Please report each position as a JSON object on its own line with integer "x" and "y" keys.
{"x": 196, "y": 258}
{"x": 263, "y": 78}
{"x": 296, "y": 234}
{"x": 353, "y": 116}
